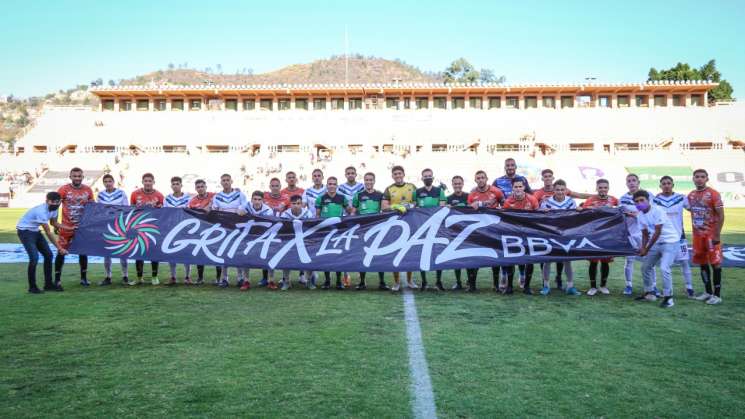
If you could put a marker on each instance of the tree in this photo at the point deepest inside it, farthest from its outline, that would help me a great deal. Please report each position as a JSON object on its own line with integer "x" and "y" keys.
{"x": 171, "y": 66}
{"x": 684, "y": 72}
{"x": 112, "y": 83}
{"x": 461, "y": 71}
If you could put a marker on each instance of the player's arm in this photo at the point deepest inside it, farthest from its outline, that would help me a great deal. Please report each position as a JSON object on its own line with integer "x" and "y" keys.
{"x": 579, "y": 195}
{"x": 718, "y": 228}
{"x": 443, "y": 198}
{"x": 348, "y": 205}
{"x": 385, "y": 204}
{"x": 52, "y": 238}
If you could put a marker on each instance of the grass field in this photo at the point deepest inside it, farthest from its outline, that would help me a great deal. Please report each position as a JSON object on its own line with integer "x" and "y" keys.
{"x": 170, "y": 352}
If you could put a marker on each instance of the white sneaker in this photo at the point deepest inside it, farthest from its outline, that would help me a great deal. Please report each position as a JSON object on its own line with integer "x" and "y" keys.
{"x": 592, "y": 291}
{"x": 412, "y": 285}
{"x": 714, "y": 300}
{"x": 301, "y": 279}
{"x": 650, "y": 297}
{"x": 703, "y": 297}
{"x": 604, "y": 291}
{"x": 285, "y": 284}
{"x": 396, "y": 287}
{"x": 155, "y": 281}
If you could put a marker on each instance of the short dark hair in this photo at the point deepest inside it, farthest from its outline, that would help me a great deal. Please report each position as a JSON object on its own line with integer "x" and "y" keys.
{"x": 53, "y": 196}
{"x": 544, "y": 171}
{"x": 560, "y": 182}
{"x": 666, "y": 177}
{"x": 107, "y": 176}
{"x": 641, "y": 192}
{"x": 177, "y": 179}
{"x": 76, "y": 169}
{"x": 509, "y": 159}
{"x": 258, "y": 193}
{"x": 148, "y": 175}
{"x": 200, "y": 181}
{"x": 332, "y": 178}
{"x": 369, "y": 174}
{"x": 701, "y": 171}
{"x": 296, "y": 198}
{"x": 518, "y": 180}
{"x": 317, "y": 170}
{"x": 427, "y": 170}
{"x": 602, "y": 180}
{"x": 481, "y": 172}
{"x": 226, "y": 175}
{"x": 457, "y": 177}
{"x": 397, "y": 168}
{"x": 290, "y": 173}
{"x": 632, "y": 175}
{"x": 273, "y": 179}
{"x": 350, "y": 167}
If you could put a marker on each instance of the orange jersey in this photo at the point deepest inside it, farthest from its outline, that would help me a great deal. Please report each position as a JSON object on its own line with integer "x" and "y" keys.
{"x": 595, "y": 202}
{"x": 491, "y": 198}
{"x": 527, "y": 203}
{"x": 73, "y": 201}
{"x": 542, "y": 194}
{"x": 703, "y": 206}
{"x": 201, "y": 203}
{"x": 142, "y": 199}
{"x": 289, "y": 194}
{"x": 276, "y": 202}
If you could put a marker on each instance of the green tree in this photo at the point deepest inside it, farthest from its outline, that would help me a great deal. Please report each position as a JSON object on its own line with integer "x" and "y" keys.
{"x": 461, "y": 71}
{"x": 684, "y": 72}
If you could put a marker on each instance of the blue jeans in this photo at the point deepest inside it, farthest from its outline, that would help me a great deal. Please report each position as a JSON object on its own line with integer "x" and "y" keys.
{"x": 35, "y": 243}
{"x": 665, "y": 254}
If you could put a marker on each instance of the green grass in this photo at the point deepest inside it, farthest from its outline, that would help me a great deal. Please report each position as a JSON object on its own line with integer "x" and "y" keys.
{"x": 171, "y": 352}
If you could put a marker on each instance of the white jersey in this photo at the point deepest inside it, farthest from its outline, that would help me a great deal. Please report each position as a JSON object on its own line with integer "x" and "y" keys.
{"x": 117, "y": 197}
{"x": 229, "y": 201}
{"x": 172, "y": 201}
{"x": 673, "y": 206}
{"x": 350, "y": 191}
{"x": 265, "y": 210}
{"x": 309, "y": 198}
{"x": 304, "y": 214}
{"x": 551, "y": 203}
{"x": 656, "y": 216}
{"x": 626, "y": 202}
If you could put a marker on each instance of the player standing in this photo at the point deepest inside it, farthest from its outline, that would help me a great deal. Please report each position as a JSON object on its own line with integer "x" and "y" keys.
{"x": 113, "y": 196}
{"x": 146, "y": 197}
{"x": 350, "y": 189}
{"x": 430, "y": 196}
{"x": 74, "y": 197}
{"x": 231, "y": 200}
{"x": 673, "y": 204}
{"x": 635, "y": 235}
{"x": 332, "y": 204}
{"x": 602, "y": 199}
{"x": 369, "y": 201}
{"x": 178, "y": 199}
{"x": 520, "y": 200}
{"x": 314, "y": 191}
{"x": 485, "y": 196}
{"x": 457, "y": 199}
{"x": 295, "y": 212}
{"x": 203, "y": 201}
{"x": 559, "y": 201}
{"x": 399, "y": 196}
{"x": 257, "y": 207}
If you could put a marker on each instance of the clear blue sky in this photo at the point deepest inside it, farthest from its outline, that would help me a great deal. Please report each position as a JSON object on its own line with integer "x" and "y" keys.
{"x": 52, "y": 44}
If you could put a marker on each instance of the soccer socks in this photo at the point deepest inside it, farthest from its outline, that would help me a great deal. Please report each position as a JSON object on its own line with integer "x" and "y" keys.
{"x": 362, "y": 278}
{"x": 59, "y": 260}
{"x": 593, "y": 272}
{"x": 423, "y": 275}
{"x": 83, "y": 260}
{"x": 172, "y": 267}
{"x": 139, "y": 268}
{"x": 494, "y": 276}
{"x": 154, "y": 267}
{"x": 706, "y": 278}
{"x": 685, "y": 268}
{"x": 559, "y": 271}
{"x": 528, "y": 275}
{"x": 522, "y": 269}
{"x": 107, "y": 267}
{"x": 717, "y": 281}
{"x": 628, "y": 270}
{"x": 457, "y": 277}
{"x": 604, "y": 273}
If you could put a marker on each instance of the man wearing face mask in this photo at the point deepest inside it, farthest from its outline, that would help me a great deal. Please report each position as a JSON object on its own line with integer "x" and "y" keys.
{"x": 635, "y": 235}
{"x": 430, "y": 196}
{"x": 34, "y": 243}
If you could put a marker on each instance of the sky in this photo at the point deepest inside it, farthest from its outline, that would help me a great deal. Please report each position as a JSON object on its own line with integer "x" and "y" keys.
{"x": 49, "y": 45}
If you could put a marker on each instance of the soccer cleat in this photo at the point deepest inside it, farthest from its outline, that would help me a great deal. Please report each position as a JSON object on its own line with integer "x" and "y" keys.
{"x": 246, "y": 285}
{"x": 507, "y": 291}
{"x": 628, "y": 290}
{"x": 604, "y": 290}
{"x": 264, "y": 282}
{"x": 360, "y": 287}
{"x": 224, "y": 283}
{"x": 527, "y": 291}
{"x": 383, "y": 287}
{"x": 411, "y": 284}
{"x": 650, "y": 296}
{"x": 592, "y": 291}
{"x": 522, "y": 283}
{"x": 311, "y": 285}
{"x": 240, "y": 282}
{"x": 703, "y": 297}
{"x": 105, "y": 282}
{"x": 125, "y": 280}
{"x": 187, "y": 281}
{"x": 690, "y": 293}
{"x": 573, "y": 291}
{"x": 155, "y": 281}
{"x": 457, "y": 287}
{"x": 35, "y": 291}
{"x": 346, "y": 280}
{"x": 200, "y": 281}
{"x": 545, "y": 291}
{"x": 340, "y": 286}
{"x": 667, "y": 302}
{"x": 285, "y": 284}
{"x": 301, "y": 279}
{"x": 272, "y": 285}
{"x": 326, "y": 285}
{"x": 396, "y": 287}
{"x": 171, "y": 282}
{"x": 714, "y": 300}
{"x": 84, "y": 282}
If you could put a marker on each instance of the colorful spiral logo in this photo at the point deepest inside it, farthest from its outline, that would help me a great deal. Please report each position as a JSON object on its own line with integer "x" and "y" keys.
{"x": 131, "y": 234}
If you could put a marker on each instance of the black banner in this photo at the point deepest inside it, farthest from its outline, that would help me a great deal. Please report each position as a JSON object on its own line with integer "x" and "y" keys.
{"x": 420, "y": 239}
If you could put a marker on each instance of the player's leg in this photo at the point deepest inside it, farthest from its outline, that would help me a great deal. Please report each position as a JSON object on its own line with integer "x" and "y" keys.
{"x": 43, "y": 247}
{"x": 410, "y": 281}
{"x": 667, "y": 258}
{"x": 648, "y": 263}
{"x": 187, "y": 274}
{"x": 59, "y": 262}
{"x": 124, "y": 263}
{"x": 311, "y": 276}
{"x": 521, "y": 282}
{"x": 224, "y": 281}
{"x": 495, "y": 276}
{"x": 528, "y": 277}
{"x": 285, "y": 283}
{"x": 31, "y": 245}
{"x": 381, "y": 282}
{"x": 546, "y": 273}
{"x": 271, "y": 284}
{"x": 326, "y": 280}
{"x": 361, "y": 286}
{"x": 154, "y": 273}
{"x": 593, "y": 274}
{"x": 172, "y": 268}
{"x": 83, "y": 262}
{"x": 559, "y": 271}
{"x": 106, "y": 271}
{"x": 423, "y": 276}
{"x": 604, "y": 273}
{"x": 458, "y": 284}
{"x": 700, "y": 257}
{"x": 628, "y": 273}
{"x": 339, "y": 284}
{"x": 140, "y": 268}
{"x": 471, "y": 275}
{"x": 396, "y": 281}
{"x": 438, "y": 283}
{"x": 715, "y": 258}
{"x": 569, "y": 272}
{"x": 244, "y": 274}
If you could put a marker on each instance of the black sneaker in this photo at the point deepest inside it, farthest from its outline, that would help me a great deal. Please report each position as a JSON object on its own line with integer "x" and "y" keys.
{"x": 667, "y": 302}
{"x": 125, "y": 280}
{"x": 507, "y": 291}
{"x": 105, "y": 282}
{"x": 340, "y": 286}
{"x": 84, "y": 282}
{"x": 57, "y": 287}
{"x": 383, "y": 287}
{"x": 361, "y": 287}
{"x": 457, "y": 287}
{"x": 200, "y": 281}
{"x": 527, "y": 291}
{"x": 326, "y": 285}
{"x": 439, "y": 286}
{"x": 35, "y": 291}
{"x": 641, "y": 297}
{"x": 240, "y": 283}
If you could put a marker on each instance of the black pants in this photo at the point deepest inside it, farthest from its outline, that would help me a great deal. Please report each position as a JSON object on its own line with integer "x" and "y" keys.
{"x": 140, "y": 268}
{"x": 34, "y": 243}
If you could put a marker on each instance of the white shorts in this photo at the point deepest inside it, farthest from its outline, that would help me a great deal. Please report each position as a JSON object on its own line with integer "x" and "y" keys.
{"x": 683, "y": 254}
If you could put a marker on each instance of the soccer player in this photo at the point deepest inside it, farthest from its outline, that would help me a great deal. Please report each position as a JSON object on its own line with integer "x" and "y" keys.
{"x": 673, "y": 204}
{"x": 504, "y": 183}
{"x": 74, "y": 197}
{"x": 203, "y": 201}
{"x": 350, "y": 189}
{"x": 275, "y": 198}
{"x": 295, "y": 212}
{"x": 430, "y": 196}
{"x": 332, "y": 204}
{"x": 660, "y": 243}
{"x": 457, "y": 199}
{"x": 707, "y": 219}
{"x": 43, "y": 216}
{"x": 314, "y": 191}
{"x": 399, "y": 196}
{"x": 522, "y": 201}
{"x": 231, "y": 200}
{"x": 559, "y": 201}
{"x": 113, "y": 196}
{"x": 178, "y": 199}
{"x": 257, "y": 207}
{"x": 369, "y": 201}
{"x": 146, "y": 196}
{"x": 635, "y": 235}
{"x": 485, "y": 196}
{"x": 602, "y": 199}
{"x": 291, "y": 188}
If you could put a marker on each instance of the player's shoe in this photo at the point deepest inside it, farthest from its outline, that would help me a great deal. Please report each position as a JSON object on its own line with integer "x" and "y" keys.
{"x": 187, "y": 281}
{"x": 690, "y": 293}
{"x": 155, "y": 281}
{"x": 667, "y": 302}
{"x": 272, "y": 285}
{"x": 396, "y": 287}
{"x": 507, "y": 291}
{"x": 714, "y": 300}
{"x": 171, "y": 281}
{"x": 84, "y": 282}
{"x": 545, "y": 291}
{"x": 457, "y": 287}
{"x": 224, "y": 284}
{"x": 200, "y": 281}
{"x": 704, "y": 296}
{"x": 383, "y": 287}
{"x": 411, "y": 284}
{"x": 340, "y": 286}
{"x": 573, "y": 291}
{"x": 301, "y": 279}
{"x": 285, "y": 284}
{"x": 650, "y": 296}
{"x": 246, "y": 285}
{"x": 326, "y": 285}
{"x": 361, "y": 286}
{"x": 125, "y": 280}
{"x": 54, "y": 287}
{"x": 264, "y": 282}
{"x": 604, "y": 290}
{"x": 628, "y": 290}
{"x": 527, "y": 291}
{"x": 592, "y": 291}
{"x": 522, "y": 282}
{"x": 657, "y": 292}
{"x": 105, "y": 282}
{"x": 346, "y": 280}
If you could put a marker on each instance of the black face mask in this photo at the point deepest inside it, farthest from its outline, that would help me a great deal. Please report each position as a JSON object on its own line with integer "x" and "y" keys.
{"x": 427, "y": 182}
{"x": 53, "y": 207}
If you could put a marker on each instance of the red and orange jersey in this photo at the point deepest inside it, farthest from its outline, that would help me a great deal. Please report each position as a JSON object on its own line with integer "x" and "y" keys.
{"x": 288, "y": 193}
{"x": 542, "y": 194}
{"x": 277, "y": 203}
{"x": 492, "y": 197}
{"x": 703, "y": 206}
{"x": 596, "y": 202}
{"x": 528, "y": 202}
{"x": 73, "y": 201}
{"x": 140, "y": 198}
{"x": 197, "y": 202}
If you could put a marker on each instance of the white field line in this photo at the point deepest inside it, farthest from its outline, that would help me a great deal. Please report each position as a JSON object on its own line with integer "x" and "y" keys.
{"x": 421, "y": 385}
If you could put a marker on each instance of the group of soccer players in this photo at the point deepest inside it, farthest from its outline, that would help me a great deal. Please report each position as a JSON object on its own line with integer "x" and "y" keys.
{"x": 655, "y": 224}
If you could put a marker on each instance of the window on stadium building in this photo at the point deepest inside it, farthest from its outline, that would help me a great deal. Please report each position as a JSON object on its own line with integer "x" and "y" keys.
{"x": 581, "y": 147}
{"x": 626, "y": 146}
{"x": 265, "y": 105}
{"x": 160, "y": 105}
{"x": 584, "y": 101}
{"x": 531, "y": 102}
{"x": 440, "y": 102}
{"x": 407, "y": 103}
{"x": 195, "y": 104}
{"x": 177, "y": 105}
{"x": 143, "y": 104}
{"x": 604, "y": 102}
{"x": 283, "y": 104}
{"x": 249, "y": 104}
{"x": 499, "y": 148}
{"x": 679, "y": 100}
{"x": 319, "y": 104}
{"x": 391, "y": 103}
{"x": 475, "y": 103}
{"x": 439, "y": 148}
{"x": 697, "y": 100}
{"x": 459, "y": 103}
{"x": 107, "y": 105}
{"x": 567, "y": 102}
{"x": 623, "y": 101}
{"x": 642, "y": 101}
{"x": 549, "y": 102}
{"x": 422, "y": 103}
{"x": 301, "y": 104}
{"x": 231, "y": 104}
{"x": 337, "y": 104}
{"x": 125, "y": 105}
{"x": 355, "y": 103}
{"x": 660, "y": 100}
{"x": 513, "y": 102}
{"x": 495, "y": 102}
